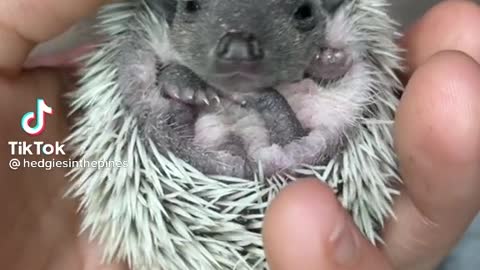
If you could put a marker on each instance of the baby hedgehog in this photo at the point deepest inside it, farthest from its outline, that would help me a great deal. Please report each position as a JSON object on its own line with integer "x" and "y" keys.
{"x": 218, "y": 104}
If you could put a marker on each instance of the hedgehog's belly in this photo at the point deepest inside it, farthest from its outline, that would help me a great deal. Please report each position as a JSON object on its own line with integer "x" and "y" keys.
{"x": 330, "y": 112}
{"x": 218, "y": 123}
{"x": 229, "y": 128}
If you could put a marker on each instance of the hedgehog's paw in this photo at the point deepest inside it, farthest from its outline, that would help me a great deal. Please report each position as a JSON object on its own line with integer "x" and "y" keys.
{"x": 234, "y": 165}
{"x": 330, "y": 64}
{"x": 273, "y": 159}
{"x": 180, "y": 83}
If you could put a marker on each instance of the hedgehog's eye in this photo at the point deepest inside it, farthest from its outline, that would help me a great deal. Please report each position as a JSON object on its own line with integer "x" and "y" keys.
{"x": 192, "y": 6}
{"x": 304, "y": 17}
{"x": 304, "y": 12}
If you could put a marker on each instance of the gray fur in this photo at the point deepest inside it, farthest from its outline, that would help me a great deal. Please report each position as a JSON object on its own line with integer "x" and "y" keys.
{"x": 279, "y": 118}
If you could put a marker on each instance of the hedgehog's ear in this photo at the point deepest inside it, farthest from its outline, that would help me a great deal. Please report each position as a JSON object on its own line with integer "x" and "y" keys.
{"x": 164, "y": 8}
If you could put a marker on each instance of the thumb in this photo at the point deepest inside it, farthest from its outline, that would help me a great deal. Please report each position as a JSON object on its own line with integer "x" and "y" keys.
{"x": 306, "y": 228}
{"x": 24, "y": 23}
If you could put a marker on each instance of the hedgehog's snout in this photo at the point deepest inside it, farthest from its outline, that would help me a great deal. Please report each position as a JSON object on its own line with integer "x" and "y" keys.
{"x": 239, "y": 47}
{"x": 238, "y": 52}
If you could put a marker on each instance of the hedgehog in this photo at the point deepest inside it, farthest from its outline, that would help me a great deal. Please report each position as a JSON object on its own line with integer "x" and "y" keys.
{"x": 215, "y": 106}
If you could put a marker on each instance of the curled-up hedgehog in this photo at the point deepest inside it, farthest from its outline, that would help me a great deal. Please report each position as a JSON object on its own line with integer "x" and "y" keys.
{"x": 216, "y": 105}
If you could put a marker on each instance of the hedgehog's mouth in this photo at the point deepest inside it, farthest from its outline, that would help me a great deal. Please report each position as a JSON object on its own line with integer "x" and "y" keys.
{"x": 238, "y": 82}
{"x": 328, "y": 65}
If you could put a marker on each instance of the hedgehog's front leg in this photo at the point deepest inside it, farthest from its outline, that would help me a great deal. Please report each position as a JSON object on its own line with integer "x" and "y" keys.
{"x": 167, "y": 122}
{"x": 180, "y": 83}
{"x": 279, "y": 118}
{"x": 282, "y": 128}
{"x": 329, "y": 64}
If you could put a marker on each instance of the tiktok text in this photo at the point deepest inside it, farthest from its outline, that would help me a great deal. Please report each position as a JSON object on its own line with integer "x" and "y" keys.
{"x": 36, "y": 148}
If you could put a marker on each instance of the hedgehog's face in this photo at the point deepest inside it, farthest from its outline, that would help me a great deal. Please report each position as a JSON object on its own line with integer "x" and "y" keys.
{"x": 243, "y": 45}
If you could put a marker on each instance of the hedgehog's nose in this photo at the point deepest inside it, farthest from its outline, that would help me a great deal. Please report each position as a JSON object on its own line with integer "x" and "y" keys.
{"x": 239, "y": 47}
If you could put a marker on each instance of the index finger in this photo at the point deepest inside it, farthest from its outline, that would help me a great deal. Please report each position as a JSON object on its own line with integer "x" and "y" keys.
{"x": 450, "y": 25}
{"x": 25, "y": 23}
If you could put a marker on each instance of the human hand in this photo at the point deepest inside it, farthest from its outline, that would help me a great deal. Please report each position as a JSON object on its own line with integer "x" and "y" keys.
{"x": 438, "y": 142}
{"x": 39, "y": 230}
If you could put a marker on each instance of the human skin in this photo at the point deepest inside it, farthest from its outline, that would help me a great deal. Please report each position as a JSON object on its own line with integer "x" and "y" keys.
{"x": 437, "y": 138}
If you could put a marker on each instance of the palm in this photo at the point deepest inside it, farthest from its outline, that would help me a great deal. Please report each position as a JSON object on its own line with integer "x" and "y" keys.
{"x": 41, "y": 230}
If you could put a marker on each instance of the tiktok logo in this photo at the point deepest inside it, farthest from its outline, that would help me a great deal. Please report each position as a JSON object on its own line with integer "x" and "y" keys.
{"x": 29, "y": 117}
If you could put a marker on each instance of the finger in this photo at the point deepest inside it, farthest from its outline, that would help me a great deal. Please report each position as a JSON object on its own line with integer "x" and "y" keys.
{"x": 438, "y": 143}
{"x": 34, "y": 217}
{"x": 59, "y": 60}
{"x": 450, "y": 25}
{"x": 92, "y": 254}
{"x": 24, "y": 23}
{"x": 306, "y": 228}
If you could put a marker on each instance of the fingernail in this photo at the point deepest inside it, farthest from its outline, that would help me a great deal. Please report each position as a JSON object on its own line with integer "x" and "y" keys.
{"x": 345, "y": 246}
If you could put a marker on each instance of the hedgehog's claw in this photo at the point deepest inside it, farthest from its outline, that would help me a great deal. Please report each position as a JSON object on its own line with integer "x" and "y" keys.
{"x": 187, "y": 95}
{"x": 171, "y": 91}
{"x": 212, "y": 95}
{"x": 201, "y": 98}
